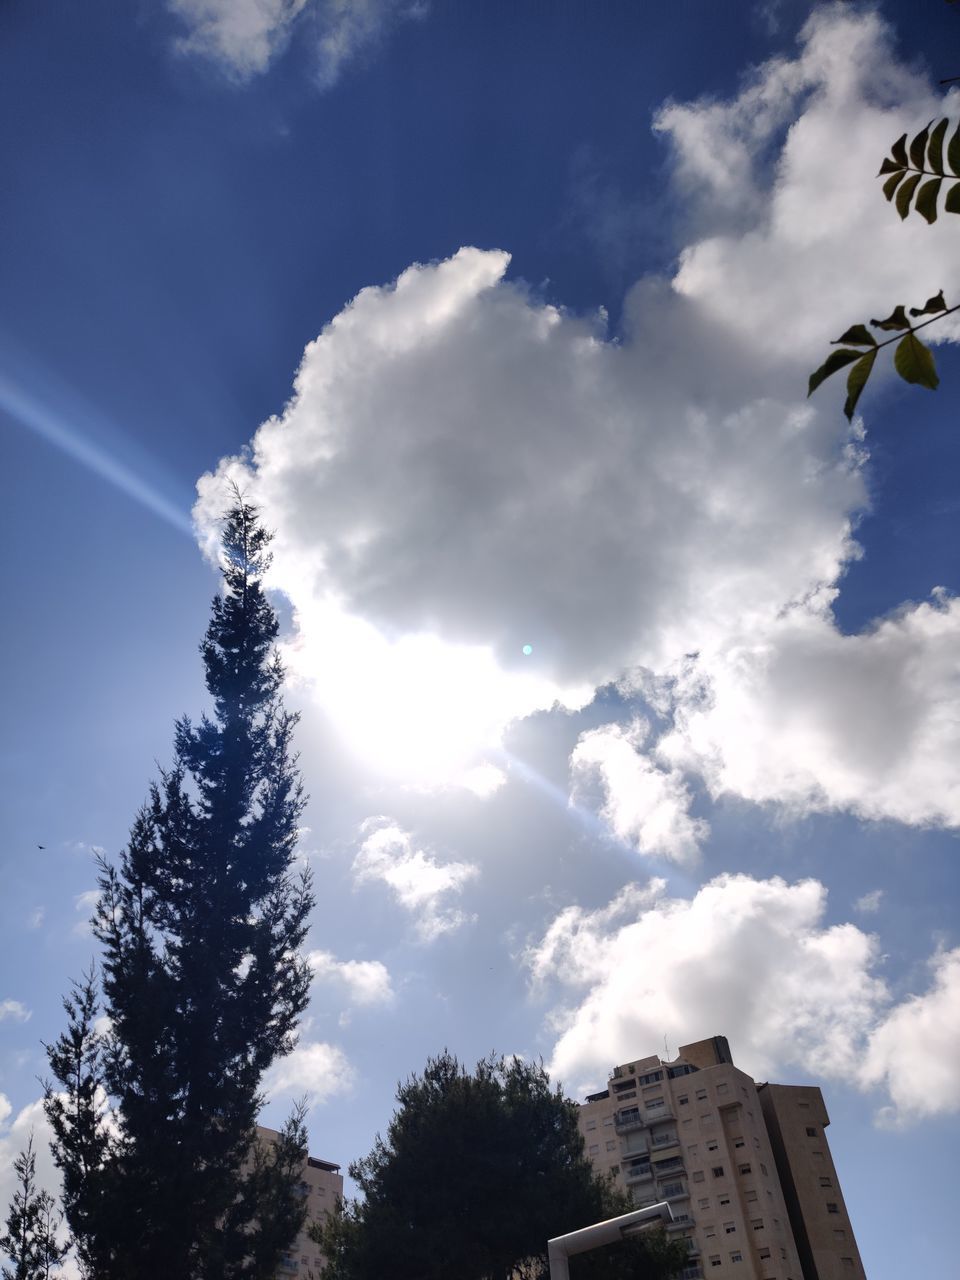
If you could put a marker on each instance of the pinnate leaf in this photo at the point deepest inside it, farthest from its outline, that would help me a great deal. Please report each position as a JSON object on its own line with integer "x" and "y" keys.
{"x": 918, "y": 147}
{"x": 952, "y": 202}
{"x": 935, "y": 146}
{"x": 891, "y": 184}
{"x": 905, "y": 193}
{"x": 857, "y": 380}
{"x": 860, "y": 335}
{"x": 889, "y": 166}
{"x": 834, "y": 361}
{"x": 899, "y": 151}
{"x": 914, "y": 362}
{"x": 931, "y": 306}
{"x": 953, "y": 151}
{"x": 897, "y": 320}
{"x": 926, "y": 202}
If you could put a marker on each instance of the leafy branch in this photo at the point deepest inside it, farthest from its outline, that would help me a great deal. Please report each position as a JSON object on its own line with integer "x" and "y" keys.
{"x": 924, "y": 158}
{"x": 913, "y": 360}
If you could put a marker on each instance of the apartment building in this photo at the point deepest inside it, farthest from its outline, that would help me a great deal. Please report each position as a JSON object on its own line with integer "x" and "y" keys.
{"x": 723, "y": 1151}
{"x": 322, "y": 1187}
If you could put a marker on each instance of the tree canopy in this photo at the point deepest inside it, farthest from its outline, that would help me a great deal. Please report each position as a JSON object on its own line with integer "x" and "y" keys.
{"x": 476, "y": 1172}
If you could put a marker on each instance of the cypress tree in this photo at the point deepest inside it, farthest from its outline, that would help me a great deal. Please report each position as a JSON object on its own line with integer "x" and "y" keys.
{"x": 201, "y": 978}
{"x": 31, "y": 1238}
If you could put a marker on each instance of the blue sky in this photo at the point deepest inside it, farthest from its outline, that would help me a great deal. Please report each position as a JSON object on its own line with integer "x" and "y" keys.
{"x": 563, "y": 271}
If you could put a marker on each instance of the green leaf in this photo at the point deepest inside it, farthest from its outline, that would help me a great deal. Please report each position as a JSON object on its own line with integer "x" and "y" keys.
{"x": 860, "y": 335}
{"x": 918, "y": 147}
{"x": 898, "y": 320}
{"x": 905, "y": 193}
{"x": 857, "y": 380}
{"x": 899, "y": 151}
{"x": 952, "y": 202}
{"x": 935, "y": 146}
{"x": 834, "y": 361}
{"x": 953, "y": 151}
{"x": 931, "y": 306}
{"x": 926, "y": 202}
{"x": 889, "y": 166}
{"x": 891, "y": 184}
{"x": 914, "y": 362}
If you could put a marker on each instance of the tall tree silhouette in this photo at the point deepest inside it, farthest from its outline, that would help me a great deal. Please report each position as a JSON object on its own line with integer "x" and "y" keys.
{"x": 202, "y": 981}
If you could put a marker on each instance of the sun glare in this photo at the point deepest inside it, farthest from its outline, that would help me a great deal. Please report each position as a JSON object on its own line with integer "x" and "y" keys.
{"x": 417, "y": 709}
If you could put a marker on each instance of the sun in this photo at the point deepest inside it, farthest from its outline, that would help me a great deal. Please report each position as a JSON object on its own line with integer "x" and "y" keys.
{"x": 417, "y": 709}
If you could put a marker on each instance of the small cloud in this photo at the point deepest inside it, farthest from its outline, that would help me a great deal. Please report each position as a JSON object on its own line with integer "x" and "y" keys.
{"x": 367, "y": 982}
{"x": 869, "y": 902}
{"x": 85, "y": 902}
{"x": 319, "y": 1070}
{"x": 14, "y": 1011}
{"x": 419, "y": 882}
{"x": 35, "y": 918}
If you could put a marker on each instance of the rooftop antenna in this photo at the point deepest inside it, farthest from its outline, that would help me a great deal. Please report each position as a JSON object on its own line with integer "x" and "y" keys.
{"x": 666, "y": 1050}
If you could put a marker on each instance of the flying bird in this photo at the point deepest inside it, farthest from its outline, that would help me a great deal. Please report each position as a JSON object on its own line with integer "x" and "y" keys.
{"x": 41, "y": 846}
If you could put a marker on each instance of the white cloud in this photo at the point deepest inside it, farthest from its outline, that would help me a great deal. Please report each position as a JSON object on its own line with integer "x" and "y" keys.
{"x": 86, "y": 903}
{"x": 915, "y": 1052}
{"x": 35, "y": 918}
{"x": 420, "y": 883}
{"x": 244, "y": 36}
{"x": 14, "y": 1010}
{"x": 643, "y": 805}
{"x": 869, "y": 903}
{"x": 747, "y": 958}
{"x": 367, "y": 982}
{"x": 318, "y": 1071}
{"x": 464, "y": 472}
{"x": 803, "y": 716}
{"x": 752, "y": 960}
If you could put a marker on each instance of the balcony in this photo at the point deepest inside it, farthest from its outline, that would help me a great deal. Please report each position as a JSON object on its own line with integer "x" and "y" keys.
{"x": 670, "y": 1165}
{"x": 637, "y": 1172}
{"x": 665, "y": 1140}
{"x": 629, "y": 1120}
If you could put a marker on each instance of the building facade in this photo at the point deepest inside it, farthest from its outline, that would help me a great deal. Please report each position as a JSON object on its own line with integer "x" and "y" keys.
{"x": 322, "y": 1187}
{"x": 733, "y": 1160}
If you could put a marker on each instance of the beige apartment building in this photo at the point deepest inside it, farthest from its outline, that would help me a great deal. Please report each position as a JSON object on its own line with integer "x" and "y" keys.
{"x": 745, "y": 1168}
{"x": 322, "y": 1186}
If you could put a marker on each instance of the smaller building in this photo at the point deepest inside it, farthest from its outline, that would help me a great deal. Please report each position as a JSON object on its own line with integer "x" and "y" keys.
{"x": 322, "y": 1187}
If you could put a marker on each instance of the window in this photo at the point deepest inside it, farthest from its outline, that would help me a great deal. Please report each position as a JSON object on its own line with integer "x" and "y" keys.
{"x": 847, "y": 1264}
{"x": 715, "y": 1260}
{"x": 710, "y": 1231}
{"x": 611, "y": 1144}
{"x": 671, "y": 1189}
{"x": 712, "y": 1145}
{"x": 608, "y": 1120}
{"x": 739, "y": 1142}
{"x": 764, "y": 1254}
{"x": 614, "y": 1169}
{"x": 698, "y": 1176}
{"x": 757, "y": 1224}
{"x": 701, "y": 1095}
{"x": 591, "y": 1124}
{"x": 722, "y": 1089}
{"x": 751, "y": 1195}
{"x": 736, "y": 1257}
{"x": 743, "y": 1168}
{"x": 653, "y": 1103}
{"x": 684, "y": 1101}
{"x": 826, "y": 1182}
{"x": 651, "y": 1077}
{"x": 729, "y": 1228}
{"x": 724, "y": 1200}
{"x": 817, "y": 1155}
{"x": 718, "y": 1170}
{"x": 687, "y": 1123}
{"x": 832, "y": 1208}
{"x": 783, "y": 1254}
{"x": 839, "y": 1233}
{"x": 595, "y": 1148}
{"x": 704, "y": 1203}
{"x": 811, "y": 1132}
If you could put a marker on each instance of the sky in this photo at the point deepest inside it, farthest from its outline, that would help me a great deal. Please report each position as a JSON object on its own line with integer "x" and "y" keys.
{"x": 628, "y": 676}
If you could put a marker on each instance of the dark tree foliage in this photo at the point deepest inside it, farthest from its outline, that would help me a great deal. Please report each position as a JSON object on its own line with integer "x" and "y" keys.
{"x": 476, "y": 1173}
{"x": 202, "y": 982}
{"x": 31, "y": 1238}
